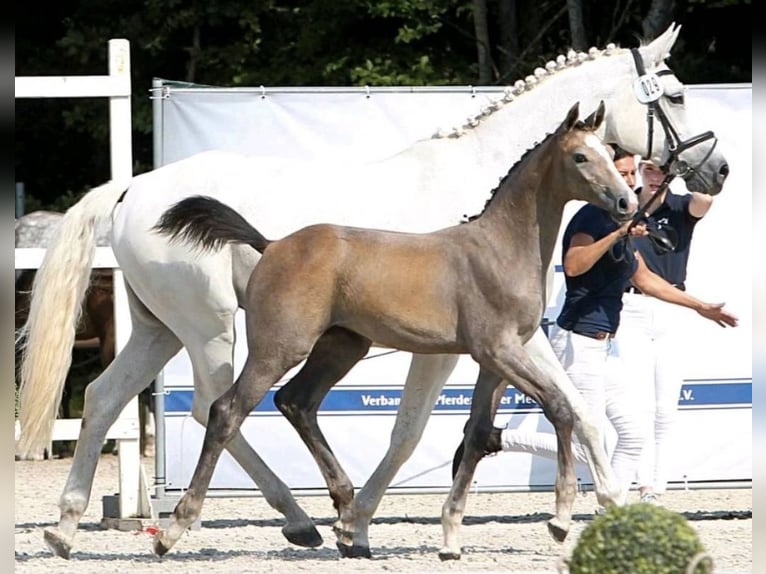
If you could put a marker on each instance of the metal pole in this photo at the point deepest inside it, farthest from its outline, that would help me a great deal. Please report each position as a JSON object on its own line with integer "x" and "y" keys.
{"x": 160, "y": 476}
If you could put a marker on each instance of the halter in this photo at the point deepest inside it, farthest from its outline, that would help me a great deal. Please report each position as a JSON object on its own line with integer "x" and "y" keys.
{"x": 648, "y": 90}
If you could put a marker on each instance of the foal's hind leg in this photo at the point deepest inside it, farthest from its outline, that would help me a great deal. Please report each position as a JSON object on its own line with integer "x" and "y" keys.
{"x": 213, "y": 375}
{"x": 333, "y": 355}
{"x": 227, "y": 413}
{"x": 150, "y": 346}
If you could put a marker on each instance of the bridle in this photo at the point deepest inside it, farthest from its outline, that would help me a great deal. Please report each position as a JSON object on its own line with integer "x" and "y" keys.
{"x": 648, "y": 90}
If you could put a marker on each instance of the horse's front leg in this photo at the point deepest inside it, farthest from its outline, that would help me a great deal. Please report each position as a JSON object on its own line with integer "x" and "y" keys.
{"x": 486, "y": 396}
{"x": 604, "y": 480}
{"x": 425, "y": 380}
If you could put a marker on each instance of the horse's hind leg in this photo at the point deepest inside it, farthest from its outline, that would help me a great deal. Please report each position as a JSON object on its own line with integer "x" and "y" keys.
{"x": 333, "y": 355}
{"x": 150, "y": 346}
{"x": 425, "y": 380}
{"x": 213, "y": 375}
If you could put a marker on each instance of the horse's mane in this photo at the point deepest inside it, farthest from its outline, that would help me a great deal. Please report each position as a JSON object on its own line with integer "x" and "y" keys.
{"x": 562, "y": 62}
{"x": 466, "y": 218}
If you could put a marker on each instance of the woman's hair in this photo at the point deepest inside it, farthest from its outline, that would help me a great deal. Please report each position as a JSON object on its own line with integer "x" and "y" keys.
{"x": 619, "y": 153}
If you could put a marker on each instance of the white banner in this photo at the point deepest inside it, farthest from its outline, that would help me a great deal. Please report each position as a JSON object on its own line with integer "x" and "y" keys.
{"x": 357, "y": 416}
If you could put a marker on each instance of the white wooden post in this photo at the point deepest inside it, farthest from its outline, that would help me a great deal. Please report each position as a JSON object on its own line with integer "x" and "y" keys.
{"x": 117, "y": 87}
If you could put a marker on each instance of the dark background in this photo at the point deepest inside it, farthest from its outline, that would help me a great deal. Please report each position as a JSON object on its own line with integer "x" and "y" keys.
{"x": 62, "y": 144}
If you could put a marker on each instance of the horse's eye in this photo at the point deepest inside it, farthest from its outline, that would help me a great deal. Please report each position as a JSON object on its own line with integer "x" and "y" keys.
{"x": 677, "y": 99}
{"x": 580, "y": 158}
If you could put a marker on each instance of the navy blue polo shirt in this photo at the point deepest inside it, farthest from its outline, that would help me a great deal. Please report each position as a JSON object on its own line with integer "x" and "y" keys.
{"x": 593, "y": 300}
{"x": 671, "y": 217}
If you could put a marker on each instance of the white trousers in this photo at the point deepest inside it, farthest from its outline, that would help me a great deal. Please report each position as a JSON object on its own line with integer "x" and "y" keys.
{"x": 647, "y": 345}
{"x": 594, "y": 369}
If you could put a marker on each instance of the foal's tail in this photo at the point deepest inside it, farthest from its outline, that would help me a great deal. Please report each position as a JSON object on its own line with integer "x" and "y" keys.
{"x": 208, "y": 224}
{"x": 48, "y": 335}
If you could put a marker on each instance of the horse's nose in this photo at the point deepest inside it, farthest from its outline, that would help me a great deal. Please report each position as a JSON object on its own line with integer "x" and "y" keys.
{"x": 724, "y": 171}
{"x": 627, "y": 205}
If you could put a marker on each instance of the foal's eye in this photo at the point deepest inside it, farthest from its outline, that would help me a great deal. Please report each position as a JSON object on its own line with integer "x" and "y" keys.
{"x": 580, "y": 158}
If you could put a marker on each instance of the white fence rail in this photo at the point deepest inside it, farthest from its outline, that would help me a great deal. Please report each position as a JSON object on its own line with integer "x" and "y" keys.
{"x": 117, "y": 87}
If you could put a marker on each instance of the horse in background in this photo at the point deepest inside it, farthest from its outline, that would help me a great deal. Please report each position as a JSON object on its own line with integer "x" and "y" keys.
{"x": 96, "y": 325}
{"x": 180, "y": 299}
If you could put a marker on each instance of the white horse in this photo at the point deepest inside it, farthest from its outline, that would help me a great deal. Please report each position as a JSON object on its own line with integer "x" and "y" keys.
{"x": 178, "y": 298}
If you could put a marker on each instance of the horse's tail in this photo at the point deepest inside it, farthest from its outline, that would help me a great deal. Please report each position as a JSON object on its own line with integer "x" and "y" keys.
{"x": 208, "y": 224}
{"x": 48, "y": 335}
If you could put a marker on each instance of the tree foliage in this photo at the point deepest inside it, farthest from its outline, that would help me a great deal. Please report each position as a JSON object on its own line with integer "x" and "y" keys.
{"x": 62, "y": 145}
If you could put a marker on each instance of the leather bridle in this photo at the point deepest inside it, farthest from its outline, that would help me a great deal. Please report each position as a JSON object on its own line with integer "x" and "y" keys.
{"x": 649, "y": 90}
{"x": 651, "y": 87}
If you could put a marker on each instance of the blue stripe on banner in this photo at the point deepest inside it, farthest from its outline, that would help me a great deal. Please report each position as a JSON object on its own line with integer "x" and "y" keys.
{"x": 385, "y": 400}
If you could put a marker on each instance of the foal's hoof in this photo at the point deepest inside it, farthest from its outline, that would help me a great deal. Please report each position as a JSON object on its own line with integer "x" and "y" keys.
{"x": 445, "y": 555}
{"x": 58, "y": 544}
{"x": 353, "y": 550}
{"x": 306, "y": 536}
{"x": 558, "y": 530}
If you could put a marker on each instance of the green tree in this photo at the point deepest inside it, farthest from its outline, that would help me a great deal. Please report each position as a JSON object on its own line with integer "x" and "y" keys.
{"x": 62, "y": 145}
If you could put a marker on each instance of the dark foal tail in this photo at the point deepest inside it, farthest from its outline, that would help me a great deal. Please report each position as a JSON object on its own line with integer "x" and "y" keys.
{"x": 208, "y": 224}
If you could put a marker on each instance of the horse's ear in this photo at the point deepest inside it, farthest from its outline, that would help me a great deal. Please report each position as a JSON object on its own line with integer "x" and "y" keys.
{"x": 594, "y": 120}
{"x": 658, "y": 50}
{"x": 571, "y": 119}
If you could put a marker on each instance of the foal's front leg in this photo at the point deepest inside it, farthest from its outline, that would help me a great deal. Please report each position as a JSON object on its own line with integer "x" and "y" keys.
{"x": 604, "y": 481}
{"x": 486, "y": 396}
{"x": 515, "y": 366}
{"x": 536, "y": 381}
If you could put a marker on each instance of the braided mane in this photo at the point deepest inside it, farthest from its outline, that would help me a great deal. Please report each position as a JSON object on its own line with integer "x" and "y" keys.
{"x": 526, "y": 85}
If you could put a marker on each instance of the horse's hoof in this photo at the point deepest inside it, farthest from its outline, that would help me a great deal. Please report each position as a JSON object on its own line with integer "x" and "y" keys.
{"x": 159, "y": 547}
{"x": 341, "y": 532}
{"x": 557, "y": 530}
{"x": 60, "y": 546}
{"x": 353, "y": 550}
{"x": 306, "y": 536}
{"x": 342, "y": 535}
{"x": 445, "y": 555}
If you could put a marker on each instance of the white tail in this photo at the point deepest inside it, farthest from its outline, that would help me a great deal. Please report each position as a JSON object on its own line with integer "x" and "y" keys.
{"x": 48, "y": 336}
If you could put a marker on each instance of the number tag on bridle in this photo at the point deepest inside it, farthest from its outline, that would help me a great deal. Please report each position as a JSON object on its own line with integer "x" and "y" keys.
{"x": 648, "y": 88}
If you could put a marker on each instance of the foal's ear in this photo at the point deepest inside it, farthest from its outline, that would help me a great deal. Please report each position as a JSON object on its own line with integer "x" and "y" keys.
{"x": 571, "y": 119}
{"x": 594, "y": 120}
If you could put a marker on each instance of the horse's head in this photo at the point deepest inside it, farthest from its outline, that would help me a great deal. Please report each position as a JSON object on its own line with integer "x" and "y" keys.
{"x": 651, "y": 119}
{"x": 588, "y": 168}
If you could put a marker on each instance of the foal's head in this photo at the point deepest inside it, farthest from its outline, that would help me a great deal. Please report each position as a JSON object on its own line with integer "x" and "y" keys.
{"x": 587, "y": 160}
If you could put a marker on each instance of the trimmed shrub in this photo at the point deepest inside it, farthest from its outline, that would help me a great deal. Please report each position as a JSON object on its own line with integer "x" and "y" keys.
{"x": 639, "y": 539}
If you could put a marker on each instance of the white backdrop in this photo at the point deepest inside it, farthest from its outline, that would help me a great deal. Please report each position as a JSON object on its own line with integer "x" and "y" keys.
{"x": 357, "y": 416}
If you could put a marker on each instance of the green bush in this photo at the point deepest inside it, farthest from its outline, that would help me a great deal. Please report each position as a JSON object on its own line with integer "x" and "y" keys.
{"x": 638, "y": 539}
